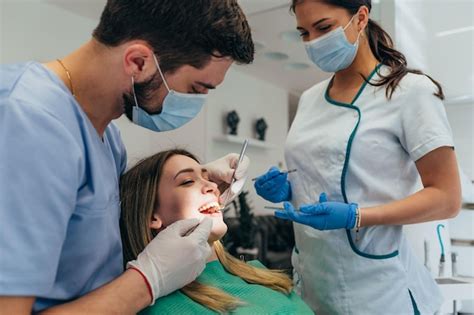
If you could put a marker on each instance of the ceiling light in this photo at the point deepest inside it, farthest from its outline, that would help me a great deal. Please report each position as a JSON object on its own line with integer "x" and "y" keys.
{"x": 298, "y": 66}
{"x": 455, "y": 31}
{"x": 274, "y": 55}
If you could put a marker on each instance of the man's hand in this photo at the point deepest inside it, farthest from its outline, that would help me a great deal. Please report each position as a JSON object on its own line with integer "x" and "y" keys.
{"x": 175, "y": 257}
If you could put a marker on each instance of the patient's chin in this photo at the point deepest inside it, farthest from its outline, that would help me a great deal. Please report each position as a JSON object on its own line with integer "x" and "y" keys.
{"x": 218, "y": 231}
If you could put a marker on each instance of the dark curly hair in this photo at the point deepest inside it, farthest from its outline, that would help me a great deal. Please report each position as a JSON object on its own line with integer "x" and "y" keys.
{"x": 184, "y": 32}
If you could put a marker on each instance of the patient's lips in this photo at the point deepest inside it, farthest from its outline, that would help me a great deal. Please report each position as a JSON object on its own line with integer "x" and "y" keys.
{"x": 211, "y": 208}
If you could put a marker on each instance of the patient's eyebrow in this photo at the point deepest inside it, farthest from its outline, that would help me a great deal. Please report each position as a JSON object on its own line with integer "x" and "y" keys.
{"x": 186, "y": 170}
{"x": 190, "y": 170}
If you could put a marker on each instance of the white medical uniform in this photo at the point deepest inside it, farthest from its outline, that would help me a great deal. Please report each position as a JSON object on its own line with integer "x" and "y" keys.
{"x": 363, "y": 152}
{"x": 59, "y": 196}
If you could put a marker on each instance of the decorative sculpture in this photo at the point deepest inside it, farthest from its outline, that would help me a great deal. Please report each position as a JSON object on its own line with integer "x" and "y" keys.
{"x": 260, "y": 128}
{"x": 232, "y": 122}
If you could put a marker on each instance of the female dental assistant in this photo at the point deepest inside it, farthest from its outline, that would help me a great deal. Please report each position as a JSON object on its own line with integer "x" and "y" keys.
{"x": 382, "y": 152}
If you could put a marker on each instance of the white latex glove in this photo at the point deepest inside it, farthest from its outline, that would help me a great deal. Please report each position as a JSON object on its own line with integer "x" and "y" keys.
{"x": 221, "y": 171}
{"x": 173, "y": 259}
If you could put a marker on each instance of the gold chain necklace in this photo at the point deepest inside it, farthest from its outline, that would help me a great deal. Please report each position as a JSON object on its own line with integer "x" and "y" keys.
{"x": 68, "y": 74}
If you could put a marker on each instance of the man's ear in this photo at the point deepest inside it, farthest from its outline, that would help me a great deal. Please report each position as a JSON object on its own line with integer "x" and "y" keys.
{"x": 156, "y": 222}
{"x": 139, "y": 61}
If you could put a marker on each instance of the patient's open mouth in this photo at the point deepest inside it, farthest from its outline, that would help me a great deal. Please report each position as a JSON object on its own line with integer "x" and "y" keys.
{"x": 210, "y": 208}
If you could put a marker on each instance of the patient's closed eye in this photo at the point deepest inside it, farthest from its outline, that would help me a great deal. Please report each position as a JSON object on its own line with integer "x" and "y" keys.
{"x": 187, "y": 182}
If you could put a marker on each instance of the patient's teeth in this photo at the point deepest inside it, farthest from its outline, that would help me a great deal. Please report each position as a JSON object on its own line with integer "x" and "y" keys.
{"x": 211, "y": 207}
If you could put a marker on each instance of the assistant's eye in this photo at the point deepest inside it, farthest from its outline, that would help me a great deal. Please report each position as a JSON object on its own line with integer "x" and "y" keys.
{"x": 302, "y": 34}
{"x": 324, "y": 28}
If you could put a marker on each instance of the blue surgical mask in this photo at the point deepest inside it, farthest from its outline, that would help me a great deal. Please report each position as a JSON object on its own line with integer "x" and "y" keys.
{"x": 333, "y": 52}
{"x": 177, "y": 109}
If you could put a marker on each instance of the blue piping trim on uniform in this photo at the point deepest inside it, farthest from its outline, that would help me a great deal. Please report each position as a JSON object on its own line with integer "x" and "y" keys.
{"x": 346, "y": 162}
{"x": 416, "y": 311}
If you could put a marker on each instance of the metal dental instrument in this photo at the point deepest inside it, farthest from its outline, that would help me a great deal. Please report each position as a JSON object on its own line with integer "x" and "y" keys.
{"x": 241, "y": 157}
{"x": 283, "y": 172}
{"x": 274, "y": 208}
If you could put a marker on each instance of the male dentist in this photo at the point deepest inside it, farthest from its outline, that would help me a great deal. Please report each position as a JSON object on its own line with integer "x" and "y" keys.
{"x": 61, "y": 157}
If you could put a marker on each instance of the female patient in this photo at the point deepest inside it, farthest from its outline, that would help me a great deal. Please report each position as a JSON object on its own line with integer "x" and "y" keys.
{"x": 170, "y": 186}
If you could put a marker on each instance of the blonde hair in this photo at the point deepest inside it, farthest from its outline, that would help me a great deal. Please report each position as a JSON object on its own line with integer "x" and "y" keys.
{"x": 139, "y": 199}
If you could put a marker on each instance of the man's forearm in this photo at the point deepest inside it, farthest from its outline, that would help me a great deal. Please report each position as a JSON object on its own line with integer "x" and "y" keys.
{"x": 128, "y": 294}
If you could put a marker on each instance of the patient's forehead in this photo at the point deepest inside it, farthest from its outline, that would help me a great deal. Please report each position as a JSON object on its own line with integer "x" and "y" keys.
{"x": 177, "y": 163}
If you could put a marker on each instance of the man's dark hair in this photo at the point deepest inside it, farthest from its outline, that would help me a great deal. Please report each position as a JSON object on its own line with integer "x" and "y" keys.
{"x": 181, "y": 32}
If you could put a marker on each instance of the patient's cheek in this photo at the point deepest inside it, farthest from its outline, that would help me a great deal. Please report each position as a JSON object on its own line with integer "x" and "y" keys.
{"x": 181, "y": 211}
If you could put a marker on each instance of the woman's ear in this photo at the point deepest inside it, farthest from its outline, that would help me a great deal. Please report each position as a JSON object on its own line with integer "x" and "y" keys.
{"x": 156, "y": 222}
{"x": 362, "y": 17}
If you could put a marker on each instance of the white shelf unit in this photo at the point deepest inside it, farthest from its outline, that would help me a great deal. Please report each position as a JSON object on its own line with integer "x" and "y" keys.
{"x": 240, "y": 140}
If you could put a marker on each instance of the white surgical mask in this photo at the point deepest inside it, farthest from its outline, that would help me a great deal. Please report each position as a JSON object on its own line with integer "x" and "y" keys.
{"x": 178, "y": 108}
{"x": 333, "y": 52}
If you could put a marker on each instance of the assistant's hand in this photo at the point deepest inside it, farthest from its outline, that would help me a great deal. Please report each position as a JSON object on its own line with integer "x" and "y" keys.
{"x": 324, "y": 215}
{"x": 221, "y": 172}
{"x": 273, "y": 186}
{"x": 174, "y": 259}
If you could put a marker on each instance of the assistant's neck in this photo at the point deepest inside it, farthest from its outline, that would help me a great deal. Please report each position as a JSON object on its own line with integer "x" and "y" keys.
{"x": 363, "y": 64}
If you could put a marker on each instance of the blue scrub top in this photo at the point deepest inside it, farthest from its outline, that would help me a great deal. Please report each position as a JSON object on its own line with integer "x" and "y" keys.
{"x": 59, "y": 195}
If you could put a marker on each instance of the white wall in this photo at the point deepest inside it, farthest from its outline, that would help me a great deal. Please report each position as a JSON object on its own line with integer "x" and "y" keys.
{"x": 421, "y": 33}
{"x": 437, "y": 37}
{"x": 32, "y": 30}
{"x": 461, "y": 118}
{"x": 252, "y": 99}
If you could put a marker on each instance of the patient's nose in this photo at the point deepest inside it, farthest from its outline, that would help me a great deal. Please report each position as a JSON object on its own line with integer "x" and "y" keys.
{"x": 209, "y": 187}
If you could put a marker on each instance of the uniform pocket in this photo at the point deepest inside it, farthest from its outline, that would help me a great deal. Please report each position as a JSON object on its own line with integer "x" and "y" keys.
{"x": 367, "y": 255}
{"x": 378, "y": 242}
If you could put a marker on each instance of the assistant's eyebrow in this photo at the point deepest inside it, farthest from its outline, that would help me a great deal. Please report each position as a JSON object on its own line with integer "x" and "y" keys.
{"x": 313, "y": 25}
{"x": 206, "y": 85}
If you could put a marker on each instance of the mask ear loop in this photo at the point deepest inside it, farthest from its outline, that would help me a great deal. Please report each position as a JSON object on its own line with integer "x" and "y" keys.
{"x": 161, "y": 73}
{"x": 347, "y": 25}
{"x": 134, "y": 94}
{"x": 350, "y": 21}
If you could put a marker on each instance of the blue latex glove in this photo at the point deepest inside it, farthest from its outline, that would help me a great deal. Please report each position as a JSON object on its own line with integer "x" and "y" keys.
{"x": 324, "y": 215}
{"x": 273, "y": 186}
